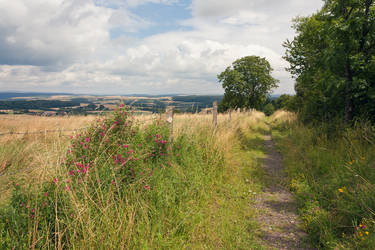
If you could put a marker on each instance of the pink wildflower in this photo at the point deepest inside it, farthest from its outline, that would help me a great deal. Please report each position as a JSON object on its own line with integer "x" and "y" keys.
{"x": 45, "y": 194}
{"x": 147, "y": 187}
{"x": 126, "y": 146}
{"x": 67, "y": 188}
{"x": 87, "y": 139}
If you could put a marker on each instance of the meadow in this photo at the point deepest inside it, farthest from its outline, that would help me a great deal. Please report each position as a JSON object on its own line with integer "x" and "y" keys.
{"x": 121, "y": 183}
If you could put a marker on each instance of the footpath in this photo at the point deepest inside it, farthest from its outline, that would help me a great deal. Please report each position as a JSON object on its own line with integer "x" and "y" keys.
{"x": 276, "y": 209}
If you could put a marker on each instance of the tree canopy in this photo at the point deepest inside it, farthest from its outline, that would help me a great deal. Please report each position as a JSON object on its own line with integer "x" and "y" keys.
{"x": 246, "y": 83}
{"x": 332, "y": 59}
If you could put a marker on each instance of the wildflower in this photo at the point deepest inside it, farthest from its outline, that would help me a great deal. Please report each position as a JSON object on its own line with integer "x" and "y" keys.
{"x": 126, "y": 146}
{"x": 67, "y": 188}
{"x": 33, "y": 210}
{"x": 147, "y": 187}
{"x": 22, "y": 204}
{"x": 45, "y": 194}
{"x": 87, "y": 139}
{"x": 113, "y": 182}
{"x": 55, "y": 180}
{"x": 122, "y": 105}
{"x": 341, "y": 190}
{"x": 366, "y": 232}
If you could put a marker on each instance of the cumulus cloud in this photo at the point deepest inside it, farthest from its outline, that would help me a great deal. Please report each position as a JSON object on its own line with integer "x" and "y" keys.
{"x": 66, "y": 45}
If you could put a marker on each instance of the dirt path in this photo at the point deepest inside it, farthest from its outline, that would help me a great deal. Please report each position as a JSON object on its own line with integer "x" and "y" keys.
{"x": 277, "y": 212}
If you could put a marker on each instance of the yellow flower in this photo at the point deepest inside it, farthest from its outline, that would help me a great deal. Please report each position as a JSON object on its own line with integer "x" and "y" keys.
{"x": 341, "y": 190}
{"x": 361, "y": 234}
{"x": 366, "y": 232}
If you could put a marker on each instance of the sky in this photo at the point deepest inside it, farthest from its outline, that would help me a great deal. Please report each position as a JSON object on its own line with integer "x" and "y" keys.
{"x": 140, "y": 46}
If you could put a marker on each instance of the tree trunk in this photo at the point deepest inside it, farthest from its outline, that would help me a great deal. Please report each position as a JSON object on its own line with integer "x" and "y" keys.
{"x": 348, "y": 93}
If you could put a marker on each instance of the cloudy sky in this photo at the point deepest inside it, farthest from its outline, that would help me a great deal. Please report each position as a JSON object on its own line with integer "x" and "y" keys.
{"x": 140, "y": 46}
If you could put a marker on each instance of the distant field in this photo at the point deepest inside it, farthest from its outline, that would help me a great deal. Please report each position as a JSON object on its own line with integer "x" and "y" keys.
{"x": 63, "y": 104}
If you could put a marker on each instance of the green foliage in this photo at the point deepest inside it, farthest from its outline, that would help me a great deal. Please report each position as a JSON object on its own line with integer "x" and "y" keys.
{"x": 333, "y": 179}
{"x": 332, "y": 59}
{"x": 246, "y": 83}
{"x": 269, "y": 109}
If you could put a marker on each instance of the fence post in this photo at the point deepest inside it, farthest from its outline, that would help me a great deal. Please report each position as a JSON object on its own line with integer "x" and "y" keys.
{"x": 214, "y": 113}
{"x": 170, "y": 121}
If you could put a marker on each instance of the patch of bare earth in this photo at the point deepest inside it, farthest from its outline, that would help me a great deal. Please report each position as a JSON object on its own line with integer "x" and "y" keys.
{"x": 276, "y": 208}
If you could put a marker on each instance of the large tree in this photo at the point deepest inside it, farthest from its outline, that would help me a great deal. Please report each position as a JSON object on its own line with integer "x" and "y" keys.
{"x": 246, "y": 83}
{"x": 332, "y": 59}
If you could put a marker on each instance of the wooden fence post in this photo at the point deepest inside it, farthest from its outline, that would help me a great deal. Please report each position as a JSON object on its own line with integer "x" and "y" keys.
{"x": 214, "y": 113}
{"x": 170, "y": 121}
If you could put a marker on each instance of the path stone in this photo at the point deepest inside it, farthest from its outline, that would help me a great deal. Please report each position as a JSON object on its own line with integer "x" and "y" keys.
{"x": 277, "y": 211}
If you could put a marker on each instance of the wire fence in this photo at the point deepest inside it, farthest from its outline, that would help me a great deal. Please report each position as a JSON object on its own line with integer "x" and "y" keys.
{"x": 41, "y": 131}
{"x": 169, "y": 119}
{"x": 57, "y": 130}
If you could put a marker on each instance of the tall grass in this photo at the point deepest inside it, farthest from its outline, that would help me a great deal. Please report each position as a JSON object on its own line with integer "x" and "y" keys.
{"x": 32, "y": 157}
{"x": 333, "y": 177}
{"x": 124, "y": 185}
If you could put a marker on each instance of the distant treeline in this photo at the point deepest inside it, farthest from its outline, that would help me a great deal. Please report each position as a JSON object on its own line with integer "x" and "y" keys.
{"x": 36, "y": 104}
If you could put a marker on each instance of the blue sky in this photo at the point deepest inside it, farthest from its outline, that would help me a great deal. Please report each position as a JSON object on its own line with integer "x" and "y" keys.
{"x": 140, "y": 46}
{"x": 162, "y": 17}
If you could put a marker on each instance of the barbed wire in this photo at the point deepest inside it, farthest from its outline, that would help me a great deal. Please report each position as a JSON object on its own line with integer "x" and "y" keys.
{"x": 42, "y": 131}
{"x": 60, "y": 130}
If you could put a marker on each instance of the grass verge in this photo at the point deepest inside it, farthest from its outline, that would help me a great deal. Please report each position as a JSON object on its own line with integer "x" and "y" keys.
{"x": 123, "y": 185}
{"x": 332, "y": 175}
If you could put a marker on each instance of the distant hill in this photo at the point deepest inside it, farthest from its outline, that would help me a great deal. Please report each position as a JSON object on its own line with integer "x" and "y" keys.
{"x": 9, "y": 95}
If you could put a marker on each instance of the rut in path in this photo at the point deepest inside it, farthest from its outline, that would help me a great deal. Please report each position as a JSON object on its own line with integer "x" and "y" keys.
{"x": 276, "y": 208}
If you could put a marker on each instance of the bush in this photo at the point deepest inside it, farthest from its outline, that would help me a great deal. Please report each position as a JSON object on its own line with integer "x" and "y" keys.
{"x": 100, "y": 163}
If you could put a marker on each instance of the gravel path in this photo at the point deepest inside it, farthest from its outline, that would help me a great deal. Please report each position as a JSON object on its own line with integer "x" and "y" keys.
{"x": 277, "y": 212}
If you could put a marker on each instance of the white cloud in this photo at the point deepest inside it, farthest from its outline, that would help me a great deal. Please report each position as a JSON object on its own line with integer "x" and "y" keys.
{"x": 65, "y": 45}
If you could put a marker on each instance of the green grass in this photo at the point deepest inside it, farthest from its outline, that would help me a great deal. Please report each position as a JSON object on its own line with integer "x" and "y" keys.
{"x": 332, "y": 175}
{"x": 193, "y": 194}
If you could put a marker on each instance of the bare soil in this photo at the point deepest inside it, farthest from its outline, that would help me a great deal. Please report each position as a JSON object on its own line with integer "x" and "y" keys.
{"x": 276, "y": 209}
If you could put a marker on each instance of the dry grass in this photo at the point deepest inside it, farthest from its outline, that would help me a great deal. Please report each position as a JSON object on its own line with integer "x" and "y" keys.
{"x": 283, "y": 116}
{"x": 32, "y": 158}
